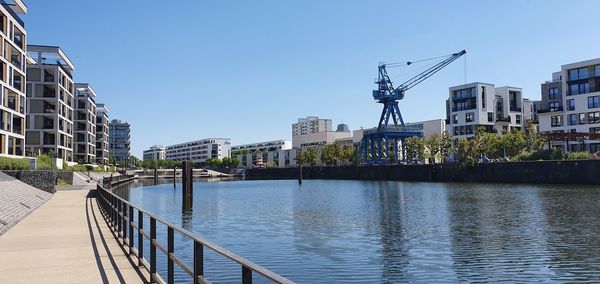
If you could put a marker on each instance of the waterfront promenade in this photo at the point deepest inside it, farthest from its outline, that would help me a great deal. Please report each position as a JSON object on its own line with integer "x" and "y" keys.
{"x": 66, "y": 240}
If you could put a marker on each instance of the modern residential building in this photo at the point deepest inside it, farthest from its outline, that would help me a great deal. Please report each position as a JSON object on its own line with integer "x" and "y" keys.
{"x": 84, "y": 117}
{"x": 119, "y": 137}
{"x": 50, "y": 90}
{"x": 12, "y": 79}
{"x": 311, "y": 124}
{"x": 156, "y": 152}
{"x": 477, "y": 104}
{"x": 318, "y": 138}
{"x": 200, "y": 150}
{"x": 102, "y": 143}
{"x": 269, "y": 151}
{"x": 573, "y": 104}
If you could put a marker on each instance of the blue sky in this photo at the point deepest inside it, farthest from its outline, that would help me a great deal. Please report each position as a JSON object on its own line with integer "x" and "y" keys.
{"x": 184, "y": 70}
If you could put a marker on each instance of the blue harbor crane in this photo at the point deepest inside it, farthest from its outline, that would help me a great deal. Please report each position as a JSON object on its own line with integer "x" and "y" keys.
{"x": 383, "y": 145}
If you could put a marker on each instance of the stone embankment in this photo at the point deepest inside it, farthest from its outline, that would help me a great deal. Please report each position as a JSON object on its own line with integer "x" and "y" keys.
{"x": 17, "y": 200}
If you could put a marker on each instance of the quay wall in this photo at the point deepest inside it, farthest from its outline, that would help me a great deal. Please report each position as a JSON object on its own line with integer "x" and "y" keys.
{"x": 44, "y": 180}
{"x": 538, "y": 172}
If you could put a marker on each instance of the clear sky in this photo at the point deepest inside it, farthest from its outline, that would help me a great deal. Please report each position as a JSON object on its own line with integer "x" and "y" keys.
{"x": 185, "y": 70}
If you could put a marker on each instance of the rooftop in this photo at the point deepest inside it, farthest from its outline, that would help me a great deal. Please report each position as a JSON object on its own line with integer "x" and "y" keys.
{"x": 49, "y": 55}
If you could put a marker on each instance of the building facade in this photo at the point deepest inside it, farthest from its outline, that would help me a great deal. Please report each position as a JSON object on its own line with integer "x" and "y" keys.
{"x": 311, "y": 124}
{"x": 12, "y": 80}
{"x": 156, "y": 152}
{"x": 576, "y": 106}
{"x": 84, "y": 107}
{"x": 119, "y": 137}
{"x": 476, "y": 105}
{"x": 102, "y": 135}
{"x": 248, "y": 154}
{"x": 200, "y": 150}
{"x": 427, "y": 127}
{"x": 50, "y": 90}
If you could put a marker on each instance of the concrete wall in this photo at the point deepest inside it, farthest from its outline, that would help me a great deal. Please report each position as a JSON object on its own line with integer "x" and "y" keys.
{"x": 554, "y": 172}
{"x": 43, "y": 180}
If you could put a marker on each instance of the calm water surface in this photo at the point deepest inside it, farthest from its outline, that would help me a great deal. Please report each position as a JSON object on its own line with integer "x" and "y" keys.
{"x": 368, "y": 231}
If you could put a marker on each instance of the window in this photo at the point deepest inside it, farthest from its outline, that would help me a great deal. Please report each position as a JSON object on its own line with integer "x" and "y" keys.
{"x": 575, "y": 89}
{"x": 490, "y": 116}
{"x": 483, "y": 96}
{"x": 594, "y": 129}
{"x": 556, "y": 120}
{"x": 553, "y": 93}
{"x": 470, "y": 117}
{"x": 553, "y": 106}
{"x": 578, "y": 74}
{"x": 455, "y": 118}
{"x": 571, "y": 104}
{"x": 572, "y": 119}
{"x": 594, "y": 117}
{"x": 582, "y": 118}
{"x": 597, "y": 71}
{"x": 594, "y": 102}
{"x": 518, "y": 119}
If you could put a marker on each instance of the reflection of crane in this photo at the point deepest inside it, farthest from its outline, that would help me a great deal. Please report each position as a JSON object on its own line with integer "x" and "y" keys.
{"x": 382, "y": 146}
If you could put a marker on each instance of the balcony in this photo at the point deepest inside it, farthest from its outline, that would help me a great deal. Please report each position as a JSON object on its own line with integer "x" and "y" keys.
{"x": 501, "y": 118}
{"x": 547, "y": 110}
{"x": 514, "y": 108}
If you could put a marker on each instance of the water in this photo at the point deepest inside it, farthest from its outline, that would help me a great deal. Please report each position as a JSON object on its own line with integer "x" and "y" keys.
{"x": 368, "y": 231}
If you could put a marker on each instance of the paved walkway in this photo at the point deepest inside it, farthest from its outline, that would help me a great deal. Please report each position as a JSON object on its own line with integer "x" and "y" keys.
{"x": 66, "y": 240}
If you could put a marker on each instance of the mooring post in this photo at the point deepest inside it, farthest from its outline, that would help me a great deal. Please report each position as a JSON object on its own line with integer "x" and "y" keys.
{"x": 174, "y": 177}
{"x": 188, "y": 185}
{"x": 155, "y": 176}
{"x": 300, "y": 175}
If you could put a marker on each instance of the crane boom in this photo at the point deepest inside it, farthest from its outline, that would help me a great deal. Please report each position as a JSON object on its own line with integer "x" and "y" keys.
{"x": 429, "y": 72}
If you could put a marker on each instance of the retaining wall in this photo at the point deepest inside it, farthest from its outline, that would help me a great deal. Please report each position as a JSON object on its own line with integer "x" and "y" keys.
{"x": 554, "y": 172}
{"x": 43, "y": 180}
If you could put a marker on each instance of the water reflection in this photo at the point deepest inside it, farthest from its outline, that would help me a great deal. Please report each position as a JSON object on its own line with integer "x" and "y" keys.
{"x": 370, "y": 232}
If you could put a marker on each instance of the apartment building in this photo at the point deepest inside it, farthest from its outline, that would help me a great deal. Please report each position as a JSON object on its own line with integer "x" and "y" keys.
{"x": 200, "y": 150}
{"x": 119, "y": 138}
{"x": 427, "y": 127}
{"x": 102, "y": 135}
{"x": 50, "y": 90}
{"x": 477, "y": 104}
{"x": 311, "y": 124}
{"x": 156, "y": 152}
{"x": 12, "y": 79}
{"x": 268, "y": 150}
{"x": 576, "y": 106}
{"x": 84, "y": 123}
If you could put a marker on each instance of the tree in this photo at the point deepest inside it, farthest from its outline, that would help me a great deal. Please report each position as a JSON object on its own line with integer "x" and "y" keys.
{"x": 415, "y": 148}
{"x": 348, "y": 153}
{"x": 329, "y": 154}
{"x": 535, "y": 142}
{"x": 300, "y": 157}
{"x": 513, "y": 143}
{"x": 112, "y": 160}
{"x": 310, "y": 156}
{"x": 445, "y": 146}
{"x": 433, "y": 143}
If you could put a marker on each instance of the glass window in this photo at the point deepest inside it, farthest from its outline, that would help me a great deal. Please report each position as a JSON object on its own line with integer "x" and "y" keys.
{"x": 597, "y": 67}
{"x": 594, "y": 117}
{"x": 582, "y": 118}
{"x": 455, "y": 119}
{"x": 583, "y": 73}
{"x": 518, "y": 118}
{"x": 553, "y": 93}
{"x": 470, "y": 117}
{"x": 572, "y": 119}
{"x": 574, "y": 89}
{"x": 490, "y": 116}
{"x": 556, "y": 120}
{"x": 573, "y": 74}
{"x": 553, "y": 106}
{"x": 571, "y": 104}
{"x": 594, "y": 102}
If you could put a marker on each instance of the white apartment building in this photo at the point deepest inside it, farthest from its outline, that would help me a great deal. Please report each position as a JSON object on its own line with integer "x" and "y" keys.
{"x": 311, "y": 124}
{"x": 477, "y": 104}
{"x": 576, "y": 106}
{"x": 318, "y": 138}
{"x": 102, "y": 128}
{"x": 50, "y": 90}
{"x": 12, "y": 80}
{"x": 156, "y": 152}
{"x": 85, "y": 124}
{"x": 200, "y": 150}
{"x": 270, "y": 151}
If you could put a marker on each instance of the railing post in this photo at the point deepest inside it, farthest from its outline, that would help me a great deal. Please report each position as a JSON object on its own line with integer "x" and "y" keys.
{"x": 170, "y": 252}
{"x": 246, "y": 275}
{"x": 118, "y": 219}
{"x": 152, "y": 249}
{"x": 140, "y": 237}
{"x": 130, "y": 222}
{"x": 198, "y": 261}
{"x": 124, "y": 221}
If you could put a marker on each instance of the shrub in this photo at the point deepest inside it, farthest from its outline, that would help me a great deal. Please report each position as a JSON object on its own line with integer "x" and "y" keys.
{"x": 578, "y": 156}
{"x": 13, "y": 164}
{"x": 44, "y": 162}
{"x": 544, "y": 155}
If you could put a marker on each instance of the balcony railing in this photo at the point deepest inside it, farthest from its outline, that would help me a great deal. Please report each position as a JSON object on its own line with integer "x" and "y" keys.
{"x": 502, "y": 118}
{"x": 9, "y": 8}
{"x": 515, "y": 109}
{"x": 546, "y": 110}
{"x": 121, "y": 216}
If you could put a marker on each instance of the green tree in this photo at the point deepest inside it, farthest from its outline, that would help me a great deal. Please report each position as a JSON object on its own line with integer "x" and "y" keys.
{"x": 310, "y": 155}
{"x": 535, "y": 142}
{"x": 348, "y": 153}
{"x": 300, "y": 157}
{"x": 415, "y": 149}
{"x": 329, "y": 154}
{"x": 433, "y": 143}
{"x": 445, "y": 146}
{"x": 513, "y": 143}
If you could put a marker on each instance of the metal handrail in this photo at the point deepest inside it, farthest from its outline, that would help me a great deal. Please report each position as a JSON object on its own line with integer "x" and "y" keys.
{"x": 119, "y": 215}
